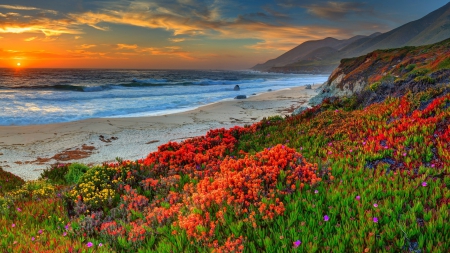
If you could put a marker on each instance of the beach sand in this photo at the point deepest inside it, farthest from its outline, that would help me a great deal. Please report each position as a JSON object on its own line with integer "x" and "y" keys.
{"x": 27, "y": 150}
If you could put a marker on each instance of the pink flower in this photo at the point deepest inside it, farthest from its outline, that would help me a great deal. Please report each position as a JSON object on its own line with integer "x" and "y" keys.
{"x": 375, "y": 219}
{"x": 358, "y": 197}
{"x": 19, "y": 210}
{"x": 404, "y": 154}
{"x": 89, "y": 244}
{"x": 424, "y": 184}
{"x": 375, "y": 205}
{"x": 316, "y": 191}
{"x": 40, "y": 231}
{"x": 326, "y": 218}
{"x": 329, "y": 152}
{"x": 351, "y": 150}
{"x": 297, "y": 243}
{"x": 32, "y": 238}
{"x": 65, "y": 233}
{"x": 330, "y": 144}
{"x": 100, "y": 244}
{"x": 13, "y": 225}
{"x": 432, "y": 165}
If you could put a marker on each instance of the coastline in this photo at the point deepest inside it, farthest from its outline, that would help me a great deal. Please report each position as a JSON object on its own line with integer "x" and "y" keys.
{"x": 27, "y": 150}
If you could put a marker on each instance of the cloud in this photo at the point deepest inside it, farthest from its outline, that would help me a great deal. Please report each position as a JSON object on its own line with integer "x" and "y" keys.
{"x": 30, "y": 39}
{"x": 46, "y": 26}
{"x": 77, "y": 37}
{"x": 86, "y": 46}
{"x": 176, "y": 40}
{"x": 336, "y": 10}
{"x": 126, "y": 46}
{"x": 25, "y": 8}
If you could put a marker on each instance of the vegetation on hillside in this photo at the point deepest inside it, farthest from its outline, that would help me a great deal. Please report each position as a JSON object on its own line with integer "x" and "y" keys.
{"x": 338, "y": 177}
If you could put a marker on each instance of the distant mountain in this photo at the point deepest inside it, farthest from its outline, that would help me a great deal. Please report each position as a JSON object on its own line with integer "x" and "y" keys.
{"x": 304, "y": 49}
{"x": 319, "y": 58}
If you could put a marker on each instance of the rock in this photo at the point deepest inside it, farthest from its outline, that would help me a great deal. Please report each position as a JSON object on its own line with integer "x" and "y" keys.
{"x": 269, "y": 90}
{"x": 299, "y": 110}
{"x": 308, "y": 86}
{"x": 237, "y": 88}
{"x": 241, "y": 97}
{"x": 254, "y": 94}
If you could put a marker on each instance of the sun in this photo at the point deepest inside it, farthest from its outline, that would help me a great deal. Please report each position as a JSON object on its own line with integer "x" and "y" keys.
{"x": 18, "y": 64}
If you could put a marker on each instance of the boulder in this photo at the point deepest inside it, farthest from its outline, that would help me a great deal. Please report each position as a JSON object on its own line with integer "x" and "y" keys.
{"x": 237, "y": 87}
{"x": 241, "y": 97}
{"x": 299, "y": 110}
{"x": 269, "y": 90}
{"x": 308, "y": 86}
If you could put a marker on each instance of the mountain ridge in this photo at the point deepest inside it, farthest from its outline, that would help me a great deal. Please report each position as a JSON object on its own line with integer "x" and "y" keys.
{"x": 430, "y": 29}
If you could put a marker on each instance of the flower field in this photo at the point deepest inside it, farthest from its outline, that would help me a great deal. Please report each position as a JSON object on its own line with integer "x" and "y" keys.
{"x": 336, "y": 178}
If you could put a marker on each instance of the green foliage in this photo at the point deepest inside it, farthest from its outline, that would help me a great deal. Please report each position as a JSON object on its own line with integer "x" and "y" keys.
{"x": 56, "y": 173}
{"x": 410, "y": 67}
{"x": 374, "y": 86}
{"x": 418, "y": 73}
{"x": 424, "y": 80}
{"x": 75, "y": 172}
{"x": 445, "y": 64}
{"x": 9, "y": 181}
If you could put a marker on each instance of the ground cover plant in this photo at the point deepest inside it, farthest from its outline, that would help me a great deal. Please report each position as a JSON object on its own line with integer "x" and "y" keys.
{"x": 334, "y": 178}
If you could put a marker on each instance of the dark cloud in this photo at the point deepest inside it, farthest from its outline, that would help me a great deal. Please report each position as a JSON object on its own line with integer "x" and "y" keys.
{"x": 338, "y": 10}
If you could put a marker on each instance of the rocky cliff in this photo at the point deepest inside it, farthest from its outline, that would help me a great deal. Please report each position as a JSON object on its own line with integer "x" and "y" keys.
{"x": 391, "y": 72}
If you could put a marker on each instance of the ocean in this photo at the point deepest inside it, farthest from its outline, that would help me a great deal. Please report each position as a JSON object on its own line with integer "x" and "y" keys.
{"x": 43, "y": 96}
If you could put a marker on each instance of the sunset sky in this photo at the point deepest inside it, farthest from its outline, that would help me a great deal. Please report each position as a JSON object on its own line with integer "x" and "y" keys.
{"x": 187, "y": 34}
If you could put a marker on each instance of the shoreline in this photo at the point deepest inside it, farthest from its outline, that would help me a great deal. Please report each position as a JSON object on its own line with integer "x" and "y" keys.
{"x": 27, "y": 150}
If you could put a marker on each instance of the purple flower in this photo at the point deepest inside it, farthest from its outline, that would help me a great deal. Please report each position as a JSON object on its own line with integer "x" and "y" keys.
{"x": 13, "y": 225}
{"x": 32, "y": 238}
{"x": 375, "y": 219}
{"x": 100, "y": 244}
{"x": 89, "y": 244}
{"x": 375, "y": 205}
{"x": 358, "y": 197}
{"x": 424, "y": 184}
{"x": 297, "y": 243}
{"x": 40, "y": 231}
{"x": 326, "y": 218}
{"x": 316, "y": 191}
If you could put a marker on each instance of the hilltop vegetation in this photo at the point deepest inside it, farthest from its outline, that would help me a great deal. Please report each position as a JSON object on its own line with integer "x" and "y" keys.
{"x": 353, "y": 174}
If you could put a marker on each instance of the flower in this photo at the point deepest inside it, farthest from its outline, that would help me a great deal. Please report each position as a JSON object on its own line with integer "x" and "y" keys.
{"x": 297, "y": 243}
{"x": 100, "y": 244}
{"x": 32, "y": 238}
{"x": 65, "y": 233}
{"x": 424, "y": 184}
{"x": 89, "y": 244}
{"x": 13, "y": 225}
{"x": 316, "y": 191}
{"x": 375, "y": 205}
{"x": 19, "y": 210}
{"x": 432, "y": 165}
{"x": 358, "y": 197}
{"x": 375, "y": 219}
{"x": 404, "y": 154}
{"x": 326, "y": 218}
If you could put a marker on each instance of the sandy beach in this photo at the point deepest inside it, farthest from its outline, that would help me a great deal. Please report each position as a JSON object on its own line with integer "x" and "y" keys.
{"x": 27, "y": 150}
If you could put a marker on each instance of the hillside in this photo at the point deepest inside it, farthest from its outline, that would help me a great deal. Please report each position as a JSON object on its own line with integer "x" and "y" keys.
{"x": 392, "y": 72}
{"x": 303, "y": 50}
{"x": 430, "y": 29}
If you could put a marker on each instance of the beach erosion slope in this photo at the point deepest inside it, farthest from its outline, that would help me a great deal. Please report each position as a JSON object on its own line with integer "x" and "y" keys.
{"x": 27, "y": 150}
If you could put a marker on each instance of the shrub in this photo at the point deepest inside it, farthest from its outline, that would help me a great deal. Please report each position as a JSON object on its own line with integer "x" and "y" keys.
{"x": 76, "y": 170}
{"x": 410, "y": 67}
{"x": 424, "y": 80}
{"x": 374, "y": 86}
{"x": 9, "y": 181}
{"x": 56, "y": 173}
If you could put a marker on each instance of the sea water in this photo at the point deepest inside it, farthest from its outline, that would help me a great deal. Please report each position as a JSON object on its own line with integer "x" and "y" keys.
{"x": 43, "y": 96}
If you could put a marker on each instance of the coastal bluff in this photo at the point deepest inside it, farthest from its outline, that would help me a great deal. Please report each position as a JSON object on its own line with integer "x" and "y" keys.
{"x": 391, "y": 72}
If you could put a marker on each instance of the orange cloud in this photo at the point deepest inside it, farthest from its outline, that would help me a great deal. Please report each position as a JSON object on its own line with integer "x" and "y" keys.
{"x": 30, "y": 39}
{"x": 126, "y": 46}
{"x": 86, "y": 46}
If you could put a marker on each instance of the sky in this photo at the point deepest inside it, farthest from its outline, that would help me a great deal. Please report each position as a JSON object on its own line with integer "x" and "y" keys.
{"x": 183, "y": 34}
